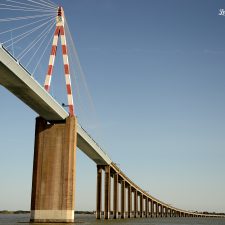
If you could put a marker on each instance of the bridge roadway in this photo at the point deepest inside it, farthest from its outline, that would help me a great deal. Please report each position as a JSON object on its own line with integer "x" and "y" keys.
{"x": 15, "y": 78}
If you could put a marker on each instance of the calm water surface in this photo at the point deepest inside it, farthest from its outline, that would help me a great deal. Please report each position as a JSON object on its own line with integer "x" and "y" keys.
{"x": 90, "y": 220}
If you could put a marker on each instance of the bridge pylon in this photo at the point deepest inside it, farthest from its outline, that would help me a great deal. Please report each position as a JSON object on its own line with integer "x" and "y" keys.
{"x": 53, "y": 186}
{"x": 60, "y": 31}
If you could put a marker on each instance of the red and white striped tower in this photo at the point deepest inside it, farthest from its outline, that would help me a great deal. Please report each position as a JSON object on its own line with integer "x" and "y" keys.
{"x": 60, "y": 30}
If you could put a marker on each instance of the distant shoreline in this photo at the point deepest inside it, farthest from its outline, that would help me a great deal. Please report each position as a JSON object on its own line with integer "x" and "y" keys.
{"x": 89, "y": 212}
{"x": 14, "y": 212}
{"x": 26, "y": 212}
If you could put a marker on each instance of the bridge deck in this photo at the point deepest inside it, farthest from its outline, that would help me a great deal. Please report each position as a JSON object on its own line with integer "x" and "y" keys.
{"x": 20, "y": 82}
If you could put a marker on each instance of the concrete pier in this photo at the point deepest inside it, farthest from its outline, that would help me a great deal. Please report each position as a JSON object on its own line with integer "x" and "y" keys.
{"x": 152, "y": 208}
{"x": 123, "y": 199}
{"x": 107, "y": 192}
{"x": 141, "y": 205}
{"x": 146, "y": 207}
{"x": 157, "y": 210}
{"x": 53, "y": 185}
{"x": 135, "y": 203}
{"x": 161, "y": 211}
{"x": 99, "y": 193}
{"x": 166, "y": 212}
{"x": 115, "y": 200}
{"x": 129, "y": 201}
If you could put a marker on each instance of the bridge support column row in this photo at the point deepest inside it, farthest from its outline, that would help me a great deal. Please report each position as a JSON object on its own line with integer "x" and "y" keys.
{"x": 128, "y": 205}
{"x": 53, "y": 185}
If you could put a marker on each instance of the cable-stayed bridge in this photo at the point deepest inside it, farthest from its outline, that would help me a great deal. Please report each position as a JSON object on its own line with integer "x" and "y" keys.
{"x": 57, "y": 135}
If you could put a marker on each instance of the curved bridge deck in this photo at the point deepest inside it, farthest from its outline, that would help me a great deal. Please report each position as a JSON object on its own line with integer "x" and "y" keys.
{"x": 15, "y": 78}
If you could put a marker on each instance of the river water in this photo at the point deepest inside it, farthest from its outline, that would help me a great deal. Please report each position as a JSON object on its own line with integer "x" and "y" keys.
{"x": 23, "y": 219}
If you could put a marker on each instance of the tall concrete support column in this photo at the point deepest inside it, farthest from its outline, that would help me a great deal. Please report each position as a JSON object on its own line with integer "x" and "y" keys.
{"x": 141, "y": 205}
{"x": 157, "y": 210}
{"x": 99, "y": 193}
{"x": 146, "y": 207}
{"x": 123, "y": 199}
{"x": 166, "y": 212}
{"x": 129, "y": 201}
{"x": 152, "y": 208}
{"x": 161, "y": 211}
{"x": 53, "y": 185}
{"x": 115, "y": 199}
{"x": 107, "y": 192}
{"x": 135, "y": 203}
{"x": 171, "y": 212}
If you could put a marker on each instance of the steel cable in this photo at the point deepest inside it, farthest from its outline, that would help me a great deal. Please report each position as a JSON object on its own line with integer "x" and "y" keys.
{"x": 25, "y": 34}
{"x": 26, "y": 17}
{"x": 27, "y": 25}
{"x": 34, "y": 42}
{"x": 30, "y": 5}
{"x": 46, "y": 35}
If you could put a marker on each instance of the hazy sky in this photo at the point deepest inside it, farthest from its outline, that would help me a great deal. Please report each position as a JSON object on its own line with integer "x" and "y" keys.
{"x": 156, "y": 73}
